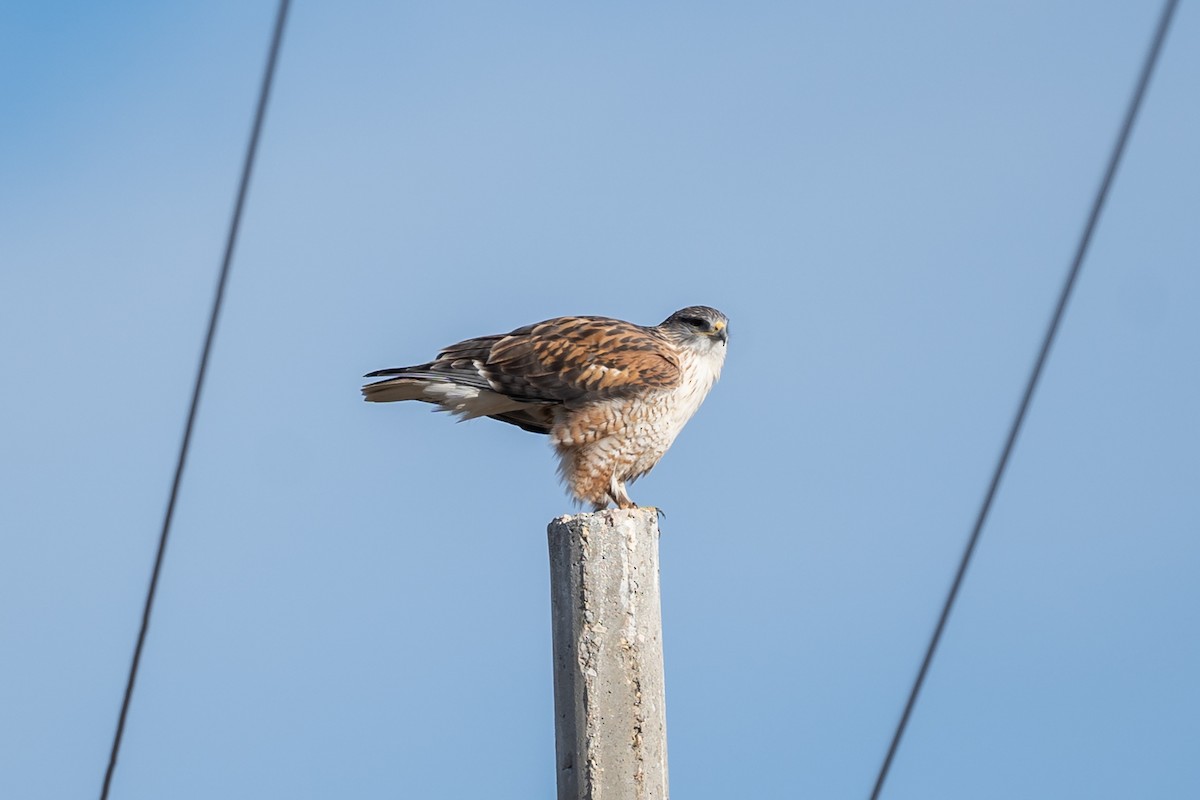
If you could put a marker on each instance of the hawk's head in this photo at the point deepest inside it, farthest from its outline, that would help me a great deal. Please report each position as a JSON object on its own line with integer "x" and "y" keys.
{"x": 700, "y": 327}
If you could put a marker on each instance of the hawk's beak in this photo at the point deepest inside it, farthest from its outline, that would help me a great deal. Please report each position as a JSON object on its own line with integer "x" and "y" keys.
{"x": 721, "y": 332}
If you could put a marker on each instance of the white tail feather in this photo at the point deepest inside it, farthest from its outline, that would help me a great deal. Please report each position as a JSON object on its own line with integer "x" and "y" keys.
{"x": 395, "y": 390}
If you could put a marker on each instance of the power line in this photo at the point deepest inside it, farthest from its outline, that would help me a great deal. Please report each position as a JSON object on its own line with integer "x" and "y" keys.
{"x": 202, "y": 369}
{"x": 1085, "y": 239}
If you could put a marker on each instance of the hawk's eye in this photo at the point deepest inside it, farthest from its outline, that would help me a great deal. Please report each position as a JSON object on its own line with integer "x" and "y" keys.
{"x": 696, "y": 322}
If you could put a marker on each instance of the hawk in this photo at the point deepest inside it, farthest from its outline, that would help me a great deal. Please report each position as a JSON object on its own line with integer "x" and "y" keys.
{"x": 611, "y": 395}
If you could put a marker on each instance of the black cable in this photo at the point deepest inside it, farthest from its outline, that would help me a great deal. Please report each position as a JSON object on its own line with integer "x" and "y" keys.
{"x": 218, "y": 298}
{"x": 1114, "y": 161}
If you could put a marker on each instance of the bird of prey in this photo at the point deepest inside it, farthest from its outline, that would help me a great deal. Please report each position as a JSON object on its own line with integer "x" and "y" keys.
{"x": 612, "y": 395}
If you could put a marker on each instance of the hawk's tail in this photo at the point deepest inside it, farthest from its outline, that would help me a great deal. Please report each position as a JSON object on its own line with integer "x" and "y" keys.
{"x": 422, "y": 382}
{"x": 466, "y": 395}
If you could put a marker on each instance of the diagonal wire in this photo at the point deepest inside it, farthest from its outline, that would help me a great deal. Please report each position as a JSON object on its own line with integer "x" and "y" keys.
{"x": 218, "y": 298}
{"x": 1135, "y": 103}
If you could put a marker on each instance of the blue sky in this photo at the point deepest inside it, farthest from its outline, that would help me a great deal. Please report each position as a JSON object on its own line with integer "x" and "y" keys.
{"x": 882, "y": 197}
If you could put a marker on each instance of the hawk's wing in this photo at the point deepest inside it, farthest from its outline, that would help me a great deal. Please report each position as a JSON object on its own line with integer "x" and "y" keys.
{"x": 568, "y": 359}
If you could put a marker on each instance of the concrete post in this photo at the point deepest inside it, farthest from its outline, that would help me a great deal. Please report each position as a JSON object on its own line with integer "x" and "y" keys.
{"x": 609, "y": 703}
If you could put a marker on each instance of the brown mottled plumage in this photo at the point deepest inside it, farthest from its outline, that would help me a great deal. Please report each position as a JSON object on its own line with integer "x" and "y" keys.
{"x": 612, "y": 395}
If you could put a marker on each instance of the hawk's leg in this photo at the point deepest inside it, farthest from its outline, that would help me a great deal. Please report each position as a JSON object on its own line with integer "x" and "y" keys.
{"x": 616, "y": 490}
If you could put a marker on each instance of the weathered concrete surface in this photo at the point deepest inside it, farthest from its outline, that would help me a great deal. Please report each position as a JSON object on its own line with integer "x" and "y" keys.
{"x": 610, "y": 712}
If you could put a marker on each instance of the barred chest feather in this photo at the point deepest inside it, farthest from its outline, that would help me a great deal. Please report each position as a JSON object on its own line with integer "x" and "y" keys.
{"x": 623, "y": 438}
